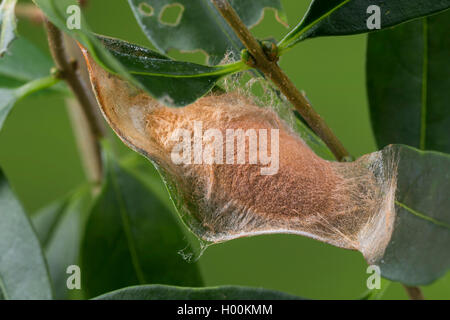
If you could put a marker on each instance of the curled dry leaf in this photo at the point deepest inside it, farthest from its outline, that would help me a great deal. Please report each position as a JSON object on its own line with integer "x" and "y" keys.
{"x": 349, "y": 205}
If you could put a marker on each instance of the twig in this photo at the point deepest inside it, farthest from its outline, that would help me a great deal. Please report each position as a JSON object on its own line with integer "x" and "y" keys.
{"x": 30, "y": 12}
{"x": 268, "y": 65}
{"x": 414, "y": 293}
{"x": 67, "y": 70}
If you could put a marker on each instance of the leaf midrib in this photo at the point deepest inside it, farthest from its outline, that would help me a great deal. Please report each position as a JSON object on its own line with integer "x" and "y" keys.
{"x": 127, "y": 229}
{"x": 216, "y": 72}
{"x": 294, "y": 36}
{"x": 422, "y": 216}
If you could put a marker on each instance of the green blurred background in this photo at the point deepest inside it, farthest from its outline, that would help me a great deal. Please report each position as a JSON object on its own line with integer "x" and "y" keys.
{"x": 39, "y": 155}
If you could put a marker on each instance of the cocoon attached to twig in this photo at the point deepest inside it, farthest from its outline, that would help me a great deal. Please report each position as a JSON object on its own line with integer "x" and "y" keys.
{"x": 286, "y": 188}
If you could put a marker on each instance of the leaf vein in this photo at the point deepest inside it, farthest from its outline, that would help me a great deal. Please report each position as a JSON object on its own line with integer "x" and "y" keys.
{"x": 127, "y": 229}
{"x": 422, "y": 216}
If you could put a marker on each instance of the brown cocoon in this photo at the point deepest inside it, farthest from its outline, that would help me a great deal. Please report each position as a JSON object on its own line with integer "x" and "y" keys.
{"x": 349, "y": 205}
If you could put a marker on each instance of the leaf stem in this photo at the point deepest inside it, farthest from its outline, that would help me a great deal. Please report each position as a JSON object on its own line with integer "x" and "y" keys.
{"x": 270, "y": 68}
{"x": 414, "y": 293}
{"x": 36, "y": 85}
{"x": 67, "y": 70}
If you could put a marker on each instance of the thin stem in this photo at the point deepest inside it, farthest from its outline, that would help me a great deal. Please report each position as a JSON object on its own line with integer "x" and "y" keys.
{"x": 67, "y": 71}
{"x": 36, "y": 85}
{"x": 414, "y": 293}
{"x": 270, "y": 68}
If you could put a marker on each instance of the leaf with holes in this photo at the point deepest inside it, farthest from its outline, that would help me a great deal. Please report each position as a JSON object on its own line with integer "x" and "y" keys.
{"x": 132, "y": 238}
{"x": 7, "y": 24}
{"x": 23, "y": 270}
{"x": 159, "y": 292}
{"x": 417, "y": 253}
{"x": 196, "y": 25}
{"x": 408, "y": 91}
{"x": 345, "y": 17}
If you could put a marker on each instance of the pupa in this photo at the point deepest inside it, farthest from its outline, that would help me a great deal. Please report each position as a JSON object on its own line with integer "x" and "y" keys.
{"x": 349, "y": 205}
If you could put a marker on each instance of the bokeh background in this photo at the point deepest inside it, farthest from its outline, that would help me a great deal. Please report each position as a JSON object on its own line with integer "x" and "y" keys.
{"x": 39, "y": 154}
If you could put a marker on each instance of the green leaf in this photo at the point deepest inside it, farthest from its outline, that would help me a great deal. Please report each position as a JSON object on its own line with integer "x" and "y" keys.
{"x": 200, "y": 27}
{"x": 345, "y": 17}
{"x": 23, "y": 71}
{"x": 60, "y": 227}
{"x": 132, "y": 238}
{"x": 46, "y": 220}
{"x": 23, "y": 270}
{"x": 418, "y": 253}
{"x": 172, "y": 82}
{"x": 159, "y": 292}
{"x": 8, "y": 97}
{"x": 24, "y": 63}
{"x": 145, "y": 171}
{"x": 408, "y": 81}
{"x": 7, "y": 24}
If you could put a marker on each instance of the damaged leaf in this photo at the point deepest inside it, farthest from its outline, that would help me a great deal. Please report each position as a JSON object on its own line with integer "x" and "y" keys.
{"x": 197, "y": 25}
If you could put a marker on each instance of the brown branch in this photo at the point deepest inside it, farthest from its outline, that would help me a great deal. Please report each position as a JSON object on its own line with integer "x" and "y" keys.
{"x": 30, "y": 12}
{"x": 414, "y": 293}
{"x": 268, "y": 65}
{"x": 67, "y": 70}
